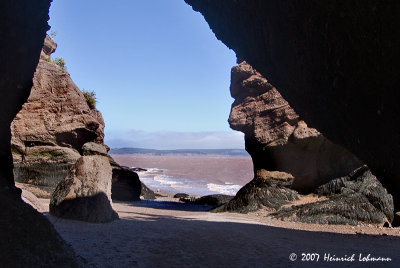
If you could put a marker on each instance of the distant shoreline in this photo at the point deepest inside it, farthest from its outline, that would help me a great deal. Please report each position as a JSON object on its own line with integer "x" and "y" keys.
{"x": 182, "y": 155}
{"x": 180, "y": 152}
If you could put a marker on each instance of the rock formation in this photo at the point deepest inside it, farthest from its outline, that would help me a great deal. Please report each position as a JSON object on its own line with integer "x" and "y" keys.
{"x": 31, "y": 199}
{"x": 126, "y": 185}
{"x": 49, "y": 47}
{"x": 181, "y": 195}
{"x": 277, "y": 139}
{"x": 358, "y": 197}
{"x": 55, "y": 127}
{"x": 91, "y": 148}
{"x": 267, "y": 189}
{"x": 214, "y": 200}
{"x": 49, "y": 132}
{"x": 335, "y": 62}
{"x": 85, "y": 194}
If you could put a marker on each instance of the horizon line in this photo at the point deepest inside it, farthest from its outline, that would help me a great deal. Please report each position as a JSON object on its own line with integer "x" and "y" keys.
{"x": 116, "y": 148}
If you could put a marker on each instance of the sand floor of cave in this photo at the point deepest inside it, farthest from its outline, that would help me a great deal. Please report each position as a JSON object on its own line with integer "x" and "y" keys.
{"x": 165, "y": 233}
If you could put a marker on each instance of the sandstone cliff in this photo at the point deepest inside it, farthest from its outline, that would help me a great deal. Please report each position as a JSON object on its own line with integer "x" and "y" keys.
{"x": 55, "y": 127}
{"x": 51, "y": 128}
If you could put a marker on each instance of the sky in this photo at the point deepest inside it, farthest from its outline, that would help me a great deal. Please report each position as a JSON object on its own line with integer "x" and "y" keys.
{"x": 160, "y": 75}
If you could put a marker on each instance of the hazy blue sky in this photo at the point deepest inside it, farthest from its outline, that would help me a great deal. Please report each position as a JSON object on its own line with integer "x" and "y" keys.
{"x": 159, "y": 72}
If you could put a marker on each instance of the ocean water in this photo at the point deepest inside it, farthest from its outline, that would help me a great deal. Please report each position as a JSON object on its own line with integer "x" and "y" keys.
{"x": 193, "y": 175}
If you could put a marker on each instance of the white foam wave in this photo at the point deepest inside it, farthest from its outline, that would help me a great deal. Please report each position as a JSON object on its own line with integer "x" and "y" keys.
{"x": 229, "y": 189}
{"x": 178, "y": 183}
{"x": 158, "y": 180}
{"x": 151, "y": 171}
{"x": 165, "y": 180}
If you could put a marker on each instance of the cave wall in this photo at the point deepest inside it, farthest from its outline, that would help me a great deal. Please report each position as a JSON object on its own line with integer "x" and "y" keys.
{"x": 28, "y": 238}
{"x": 23, "y": 26}
{"x": 336, "y": 62}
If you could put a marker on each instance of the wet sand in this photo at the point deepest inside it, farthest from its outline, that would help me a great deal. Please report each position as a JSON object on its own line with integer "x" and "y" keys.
{"x": 167, "y": 233}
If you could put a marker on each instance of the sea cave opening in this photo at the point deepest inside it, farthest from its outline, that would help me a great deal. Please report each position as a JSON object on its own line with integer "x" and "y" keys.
{"x": 330, "y": 192}
{"x": 160, "y": 79}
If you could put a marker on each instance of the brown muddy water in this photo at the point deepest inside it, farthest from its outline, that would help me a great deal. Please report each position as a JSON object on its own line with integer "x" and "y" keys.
{"x": 194, "y": 175}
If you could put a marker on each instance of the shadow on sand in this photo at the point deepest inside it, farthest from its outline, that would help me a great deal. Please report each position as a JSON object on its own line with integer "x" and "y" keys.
{"x": 141, "y": 239}
{"x": 170, "y": 205}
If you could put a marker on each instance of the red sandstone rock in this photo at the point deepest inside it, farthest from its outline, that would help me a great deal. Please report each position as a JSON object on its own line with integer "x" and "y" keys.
{"x": 49, "y": 47}
{"x": 85, "y": 194}
{"x": 56, "y": 127}
{"x": 56, "y": 113}
{"x": 277, "y": 139}
{"x": 50, "y": 130}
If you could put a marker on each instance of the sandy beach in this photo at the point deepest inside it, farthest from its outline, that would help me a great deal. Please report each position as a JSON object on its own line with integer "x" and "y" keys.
{"x": 168, "y": 233}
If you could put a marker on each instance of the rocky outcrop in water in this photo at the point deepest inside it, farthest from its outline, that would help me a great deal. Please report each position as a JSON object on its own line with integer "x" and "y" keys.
{"x": 336, "y": 63}
{"x": 85, "y": 194}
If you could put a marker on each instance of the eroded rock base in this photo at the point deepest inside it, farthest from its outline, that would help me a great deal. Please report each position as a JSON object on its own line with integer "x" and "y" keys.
{"x": 359, "y": 197}
{"x": 267, "y": 189}
{"x": 353, "y": 199}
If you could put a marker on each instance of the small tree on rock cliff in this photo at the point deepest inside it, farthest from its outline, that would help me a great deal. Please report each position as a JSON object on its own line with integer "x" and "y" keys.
{"x": 60, "y": 62}
{"x": 90, "y": 97}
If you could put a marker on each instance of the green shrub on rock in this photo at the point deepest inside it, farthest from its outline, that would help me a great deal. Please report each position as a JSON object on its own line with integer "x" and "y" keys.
{"x": 90, "y": 97}
{"x": 60, "y": 62}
